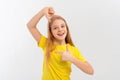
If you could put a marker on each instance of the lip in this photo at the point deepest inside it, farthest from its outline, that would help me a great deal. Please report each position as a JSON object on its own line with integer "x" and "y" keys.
{"x": 60, "y": 34}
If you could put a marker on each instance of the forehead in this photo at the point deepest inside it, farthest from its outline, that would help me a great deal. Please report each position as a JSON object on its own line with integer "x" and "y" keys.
{"x": 58, "y": 22}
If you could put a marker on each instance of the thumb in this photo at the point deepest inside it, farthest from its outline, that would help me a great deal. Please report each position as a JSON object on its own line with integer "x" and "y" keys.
{"x": 67, "y": 49}
{"x": 51, "y": 11}
{"x": 48, "y": 17}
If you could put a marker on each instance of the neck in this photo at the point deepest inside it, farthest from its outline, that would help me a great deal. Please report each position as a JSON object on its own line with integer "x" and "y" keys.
{"x": 59, "y": 42}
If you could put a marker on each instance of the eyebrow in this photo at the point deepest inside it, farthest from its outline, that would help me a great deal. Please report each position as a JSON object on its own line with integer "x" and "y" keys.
{"x": 57, "y": 25}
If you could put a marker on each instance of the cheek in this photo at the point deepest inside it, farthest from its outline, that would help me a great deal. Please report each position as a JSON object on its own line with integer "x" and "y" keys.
{"x": 53, "y": 32}
{"x": 66, "y": 30}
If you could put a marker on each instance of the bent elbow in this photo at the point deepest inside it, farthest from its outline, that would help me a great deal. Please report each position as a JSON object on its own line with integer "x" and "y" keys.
{"x": 28, "y": 25}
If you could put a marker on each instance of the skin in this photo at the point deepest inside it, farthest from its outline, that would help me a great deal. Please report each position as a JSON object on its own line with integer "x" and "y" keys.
{"x": 58, "y": 28}
{"x": 59, "y": 31}
{"x": 47, "y": 12}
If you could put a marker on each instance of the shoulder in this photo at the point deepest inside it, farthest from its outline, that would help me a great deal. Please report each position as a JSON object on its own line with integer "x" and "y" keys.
{"x": 77, "y": 53}
{"x": 72, "y": 48}
{"x": 42, "y": 41}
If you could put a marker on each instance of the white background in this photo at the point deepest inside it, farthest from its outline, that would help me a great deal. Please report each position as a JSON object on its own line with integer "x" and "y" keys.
{"x": 94, "y": 26}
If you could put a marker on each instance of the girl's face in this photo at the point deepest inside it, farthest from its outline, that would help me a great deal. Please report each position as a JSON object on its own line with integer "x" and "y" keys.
{"x": 59, "y": 30}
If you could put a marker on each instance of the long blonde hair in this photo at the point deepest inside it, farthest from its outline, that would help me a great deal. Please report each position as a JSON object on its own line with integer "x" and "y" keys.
{"x": 50, "y": 39}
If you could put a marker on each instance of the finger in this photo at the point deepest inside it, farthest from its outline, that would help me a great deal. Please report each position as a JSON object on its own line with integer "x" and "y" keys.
{"x": 51, "y": 10}
{"x": 48, "y": 18}
{"x": 67, "y": 49}
{"x": 51, "y": 13}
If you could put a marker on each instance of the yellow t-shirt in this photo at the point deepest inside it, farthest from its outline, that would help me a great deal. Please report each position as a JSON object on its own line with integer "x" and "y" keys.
{"x": 58, "y": 69}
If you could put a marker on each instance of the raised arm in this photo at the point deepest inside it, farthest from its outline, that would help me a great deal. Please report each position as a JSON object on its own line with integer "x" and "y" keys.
{"x": 47, "y": 12}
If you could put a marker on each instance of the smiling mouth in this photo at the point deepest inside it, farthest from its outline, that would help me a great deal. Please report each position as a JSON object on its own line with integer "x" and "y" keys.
{"x": 61, "y": 34}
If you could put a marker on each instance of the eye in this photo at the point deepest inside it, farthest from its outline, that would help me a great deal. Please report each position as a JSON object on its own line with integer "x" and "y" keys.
{"x": 62, "y": 26}
{"x": 55, "y": 28}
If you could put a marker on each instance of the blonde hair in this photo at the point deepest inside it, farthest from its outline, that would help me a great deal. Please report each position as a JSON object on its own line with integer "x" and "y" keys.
{"x": 50, "y": 39}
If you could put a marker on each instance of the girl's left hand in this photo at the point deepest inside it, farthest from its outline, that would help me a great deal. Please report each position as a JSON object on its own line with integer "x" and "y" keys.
{"x": 66, "y": 56}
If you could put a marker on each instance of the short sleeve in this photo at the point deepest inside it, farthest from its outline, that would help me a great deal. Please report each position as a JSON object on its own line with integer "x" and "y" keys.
{"x": 42, "y": 42}
{"x": 79, "y": 55}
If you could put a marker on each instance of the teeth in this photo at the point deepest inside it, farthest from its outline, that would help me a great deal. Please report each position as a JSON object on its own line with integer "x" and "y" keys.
{"x": 60, "y": 34}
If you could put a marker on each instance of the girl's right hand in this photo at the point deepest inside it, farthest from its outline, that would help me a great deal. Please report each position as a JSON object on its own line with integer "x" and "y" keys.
{"x": 48, "y": 12}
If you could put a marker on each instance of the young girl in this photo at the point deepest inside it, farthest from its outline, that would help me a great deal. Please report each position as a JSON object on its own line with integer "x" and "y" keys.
{"x": 59, "y": 50}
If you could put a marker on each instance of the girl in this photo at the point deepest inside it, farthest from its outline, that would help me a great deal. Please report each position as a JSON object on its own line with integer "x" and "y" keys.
{"x": 59, "y": 50}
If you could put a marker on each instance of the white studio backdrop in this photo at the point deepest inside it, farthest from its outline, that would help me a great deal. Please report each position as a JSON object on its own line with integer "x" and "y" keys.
{"x": 94, "y": 26}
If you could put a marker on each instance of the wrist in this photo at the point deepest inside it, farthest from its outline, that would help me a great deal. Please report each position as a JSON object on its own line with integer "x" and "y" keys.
{"x": 45, "y": 10}
{"x": 42, "y": 12}
{"x": 72, "y": 58}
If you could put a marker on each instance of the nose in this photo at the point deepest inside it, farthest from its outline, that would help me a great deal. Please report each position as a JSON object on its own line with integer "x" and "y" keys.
{"x": 60, "y": 29}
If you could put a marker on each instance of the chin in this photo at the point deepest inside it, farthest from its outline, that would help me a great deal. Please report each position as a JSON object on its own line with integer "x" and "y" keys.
{"x": 60, "y": 38}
